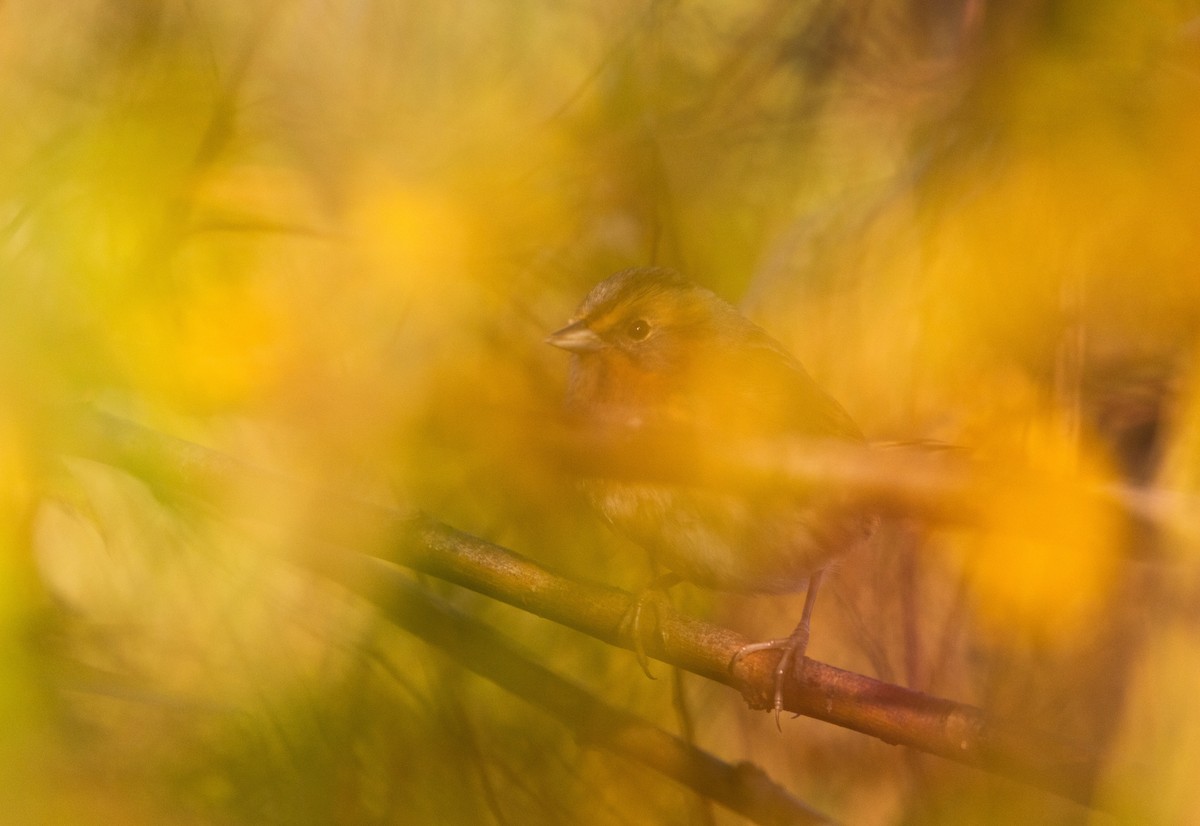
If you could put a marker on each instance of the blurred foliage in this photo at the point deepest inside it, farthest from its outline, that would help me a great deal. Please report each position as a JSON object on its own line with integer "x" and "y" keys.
{"x": 328, "y": 238}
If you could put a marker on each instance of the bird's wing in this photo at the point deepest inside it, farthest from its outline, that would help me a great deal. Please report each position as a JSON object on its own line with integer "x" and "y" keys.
{"x": 769, "y": 392}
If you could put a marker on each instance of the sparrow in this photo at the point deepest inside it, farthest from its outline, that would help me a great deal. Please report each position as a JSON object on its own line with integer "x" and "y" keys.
{"x": 655, "y": 355}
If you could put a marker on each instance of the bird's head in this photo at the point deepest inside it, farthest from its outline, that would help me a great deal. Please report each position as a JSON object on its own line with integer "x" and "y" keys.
{"x": 648, "y": 319}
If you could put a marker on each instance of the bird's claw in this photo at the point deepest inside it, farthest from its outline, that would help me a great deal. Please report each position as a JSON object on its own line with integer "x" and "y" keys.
{"x": 793, "y": 648}
{"x": 631, "y": 626}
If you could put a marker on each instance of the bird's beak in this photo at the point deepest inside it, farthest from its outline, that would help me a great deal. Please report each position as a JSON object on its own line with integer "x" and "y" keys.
{"x": 577, "y": 338}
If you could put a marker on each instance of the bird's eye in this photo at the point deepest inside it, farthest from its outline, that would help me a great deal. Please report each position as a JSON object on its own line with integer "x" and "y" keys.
{"x": 638, "y": 329}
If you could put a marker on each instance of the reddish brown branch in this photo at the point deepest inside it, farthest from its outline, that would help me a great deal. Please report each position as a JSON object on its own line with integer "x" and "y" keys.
{"x": 889, "y": 712}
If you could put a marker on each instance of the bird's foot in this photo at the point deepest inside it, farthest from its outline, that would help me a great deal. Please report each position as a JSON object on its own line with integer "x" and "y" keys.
{"x": 793, "y": 648}
{"x": 633, "y": 629}
{"x": 653, "y": 597}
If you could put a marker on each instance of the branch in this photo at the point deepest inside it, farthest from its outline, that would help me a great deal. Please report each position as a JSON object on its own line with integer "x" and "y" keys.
{"x": 894, "y": 714}
{"x": 891, "y": 713}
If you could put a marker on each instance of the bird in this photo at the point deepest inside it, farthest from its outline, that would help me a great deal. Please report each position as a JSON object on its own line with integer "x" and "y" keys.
{"x": 656, "y": 355}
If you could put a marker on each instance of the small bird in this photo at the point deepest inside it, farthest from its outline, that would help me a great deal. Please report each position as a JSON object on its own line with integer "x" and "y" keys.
{"x": 654, "y": 353}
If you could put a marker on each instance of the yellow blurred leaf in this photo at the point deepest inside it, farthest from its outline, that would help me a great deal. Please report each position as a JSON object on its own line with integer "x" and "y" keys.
{"x": 1044, "y": 554}
{"x": 217, "y": 343}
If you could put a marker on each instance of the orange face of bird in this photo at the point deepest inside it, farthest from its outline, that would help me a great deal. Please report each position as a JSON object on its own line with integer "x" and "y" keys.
{"x": 635, "y": 345}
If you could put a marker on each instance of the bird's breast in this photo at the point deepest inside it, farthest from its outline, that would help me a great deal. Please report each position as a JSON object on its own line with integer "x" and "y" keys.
{"x": 728, "y": 540}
